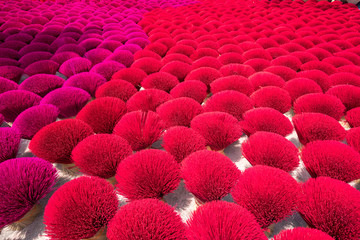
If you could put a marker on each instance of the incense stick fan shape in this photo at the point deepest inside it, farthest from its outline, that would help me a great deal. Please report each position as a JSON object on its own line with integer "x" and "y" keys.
{"x": 23, "y": 182}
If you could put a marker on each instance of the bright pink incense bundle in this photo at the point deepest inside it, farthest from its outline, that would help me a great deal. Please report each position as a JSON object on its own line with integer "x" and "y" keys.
{"x": 353, "y": 117}
{"x": 320, "y": 103}
{"x": 100, "y": 154}
{"x": 69, "y": 100}
{"x": 74, "y": 66}
{"x": 272, "y": 97}
{"x": 89, "y": 202}
{"x": 271, "y": 149}
{"x": 204, "y": 74}
{"x": 55, "y": 141}
{"x": 179, "y": 111}
{"x": 42, "y": 67}
{"x": 132, "y": 75}
{"x": 266, "y": 119}
{"x": 23, "y": 182}
{"x": 182, "y": 141}
{"x": 331, "y": 159}
{"x": 140, "y": 129}
{"x": 146, "y": 219}
{"x": 345, "y": 78}
{"x": 160, "y": 80}
{"x": 116, "y": 88}
{"x": 282, "y": 71}
{"x": 302, "y": 234}
{"x": 321, "y": 78}
{"x": 103, "y": 114}
{"x": 317, "y": 126}
{"x": 192, "y": 89}
{"x": 258, "y": 190}
{"x": 148, "y": 64}
{"x": 209, "y": 175}
{"x": 218, "y": 128}
{"x": 263, "y": 79}
{"x": 147, "y": 100}
{"x": 41, "y": 84}
{"x": 237, "y": 69}
{"x": 298, "y": 87}
{"x": 9, "y": 143}
{"x": 148, "y": 173}
{"x": 353, "y": 138}
{"x": 348, "y": 94}
{"x": 331, "y": 206}
{"x": 234, "y": 82}
{"x": 7, "y": 85}
{"x": 229, "y": 101}
{"x": 30, "y": 121}
{"x": 107, "y": 68}
{"x": 223, "y": 220}
{"x": 87, "y": 81}
{"x": 14, "y": 102}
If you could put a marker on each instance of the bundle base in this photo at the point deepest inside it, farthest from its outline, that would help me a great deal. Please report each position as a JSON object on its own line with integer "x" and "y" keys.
{"x": 27, "y": 219}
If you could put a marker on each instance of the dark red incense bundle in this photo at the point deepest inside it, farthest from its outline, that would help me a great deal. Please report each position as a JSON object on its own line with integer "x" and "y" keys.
{"x": 209, "y": 175}
{"x": 258, "y": 190}
{"x": 344, "y": 78}
{"x": 331, "y": 206}
{"x": 140, "y": 129}
{"x": 223, "y": 220}
{"x": 23, "y": 182}
{"x": 229, "y": 101}
{"x": 177, "y": 68}
{"x": 103, "y": 114}
{"x": 148, "y": 173}
{"x": 271, "y": 149}
{"x": 98, "y": 202}
{"x": 320, "y": 103}
{"x": 30, "y": 121}
{"x": 194, "y": 89}
{"x": 331, "y": 159}
{"x": 302, "y": 234}
{"x": 265, "y": 119}
{"x": 147, "y": 100}
{"x": 55, "y": 141}
{"x": 179, "y": 111}
{"x": 146, "y": 219}
{"x": 317, "y": 126}
{"x": 218, "y": 128}
{"x": 272, "y": 97}
{"x": 100, "y": 154}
